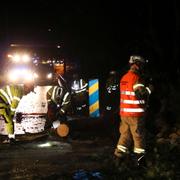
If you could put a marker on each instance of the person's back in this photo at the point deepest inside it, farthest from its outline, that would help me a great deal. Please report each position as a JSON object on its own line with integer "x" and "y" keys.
{"x": 133, "y": 94}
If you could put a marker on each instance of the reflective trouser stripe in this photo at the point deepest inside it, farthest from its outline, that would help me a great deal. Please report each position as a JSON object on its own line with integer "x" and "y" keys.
{"x": 132, "y": 127}
{"x": 122, "y": 148}
{"x": 139, "y": 150}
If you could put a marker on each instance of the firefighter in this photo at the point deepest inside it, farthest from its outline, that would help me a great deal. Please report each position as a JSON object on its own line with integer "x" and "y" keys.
{"x": 10, "y": 96}
{"x": 79, "y": 92}
{"x": 112, "y": 92}
{"x": 59, "y": 100}
{"x": 133, "y": 100}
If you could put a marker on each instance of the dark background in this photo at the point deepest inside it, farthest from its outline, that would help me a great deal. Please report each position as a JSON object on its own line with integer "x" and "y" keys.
{"x": 99, "y": 35}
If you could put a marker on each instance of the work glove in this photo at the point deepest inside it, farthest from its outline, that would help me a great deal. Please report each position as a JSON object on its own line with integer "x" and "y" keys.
{"x": 55, "y": 124}
{"x": 18, "y": 117}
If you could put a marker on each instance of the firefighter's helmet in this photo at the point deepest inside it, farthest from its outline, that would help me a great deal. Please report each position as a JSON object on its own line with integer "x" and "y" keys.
{"x": 136, "y": 59}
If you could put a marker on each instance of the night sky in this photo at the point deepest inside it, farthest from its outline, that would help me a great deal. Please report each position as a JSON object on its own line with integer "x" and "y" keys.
{"x": 98, "y": 34}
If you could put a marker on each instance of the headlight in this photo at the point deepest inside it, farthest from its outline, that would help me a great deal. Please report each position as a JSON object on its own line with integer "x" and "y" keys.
{"x": 16, "y": 58}
{"x": 20, "y": 75}
{"x": 36, "y": 75}
{"x": 25, "y": 58}
{"x": 28, "y": 76}
{"x": 49, "y": 76}
{"x": 12, "y": 77}
{"x": 20, "y": 58}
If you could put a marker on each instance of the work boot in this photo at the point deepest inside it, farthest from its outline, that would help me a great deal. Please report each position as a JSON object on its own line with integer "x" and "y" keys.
{"x": 120, "y": 157}
{"x": 119, "y": 154}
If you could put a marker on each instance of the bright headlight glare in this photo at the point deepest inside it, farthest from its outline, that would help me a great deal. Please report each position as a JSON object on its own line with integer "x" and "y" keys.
{"x": 16, "y": 58}
{"x": 28, "y": 76}
{"x": 12, "y": 76}
{"x": 21, "y": 75}
{"x": 36, "y": 75}
{"x": 25, "y": 58}
{"x": 49, "y": 76}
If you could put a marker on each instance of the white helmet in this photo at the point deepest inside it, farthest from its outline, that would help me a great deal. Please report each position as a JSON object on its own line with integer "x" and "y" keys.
{"x": 135, "y": 58}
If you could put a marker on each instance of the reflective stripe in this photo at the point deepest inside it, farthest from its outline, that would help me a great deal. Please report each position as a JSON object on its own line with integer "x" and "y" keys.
{"x": 132, "y": 109}
{"x": 67, "y": 102}
{"x": 81, "y": 83}
{"x": 149, "y": 91}
{"x": 85, "y": 85}
{"x": 65, "y": 96}
{"x": 139, "y": 150}
{"x": 138, "y": 85}
{"x": 64, "y": 99}
{"x": 78, "y": 108}
{"x": 16, "y": 98}
{"x": 81, "y": 90}
{"x": 5, "y": 95}
{"x": 128, "y": 93}
{"x": 133, "y": 101}
{"x": 13, "y": 109}
{"x": 78, "y": 86}
{"x": 62, "y": 110}
{"x": 53, "y": 93}
{"x": 75, "y": 85}
{"x": 108, "y": 108}
{"x": 122, "y": 148}
{"x": 9, "y": 92}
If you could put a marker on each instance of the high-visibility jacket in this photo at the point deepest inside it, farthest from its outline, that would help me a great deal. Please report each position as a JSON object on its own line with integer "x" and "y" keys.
{"x": 130, "y": 103}
{"x": 60, "y": 96}
{"x": 78, "y": 86}
{"x": 11, "y": 96}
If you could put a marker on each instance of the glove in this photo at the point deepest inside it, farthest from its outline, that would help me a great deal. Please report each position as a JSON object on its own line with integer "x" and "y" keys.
{"x": 18, "y": 117}
{"x": 55, "y": 124}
